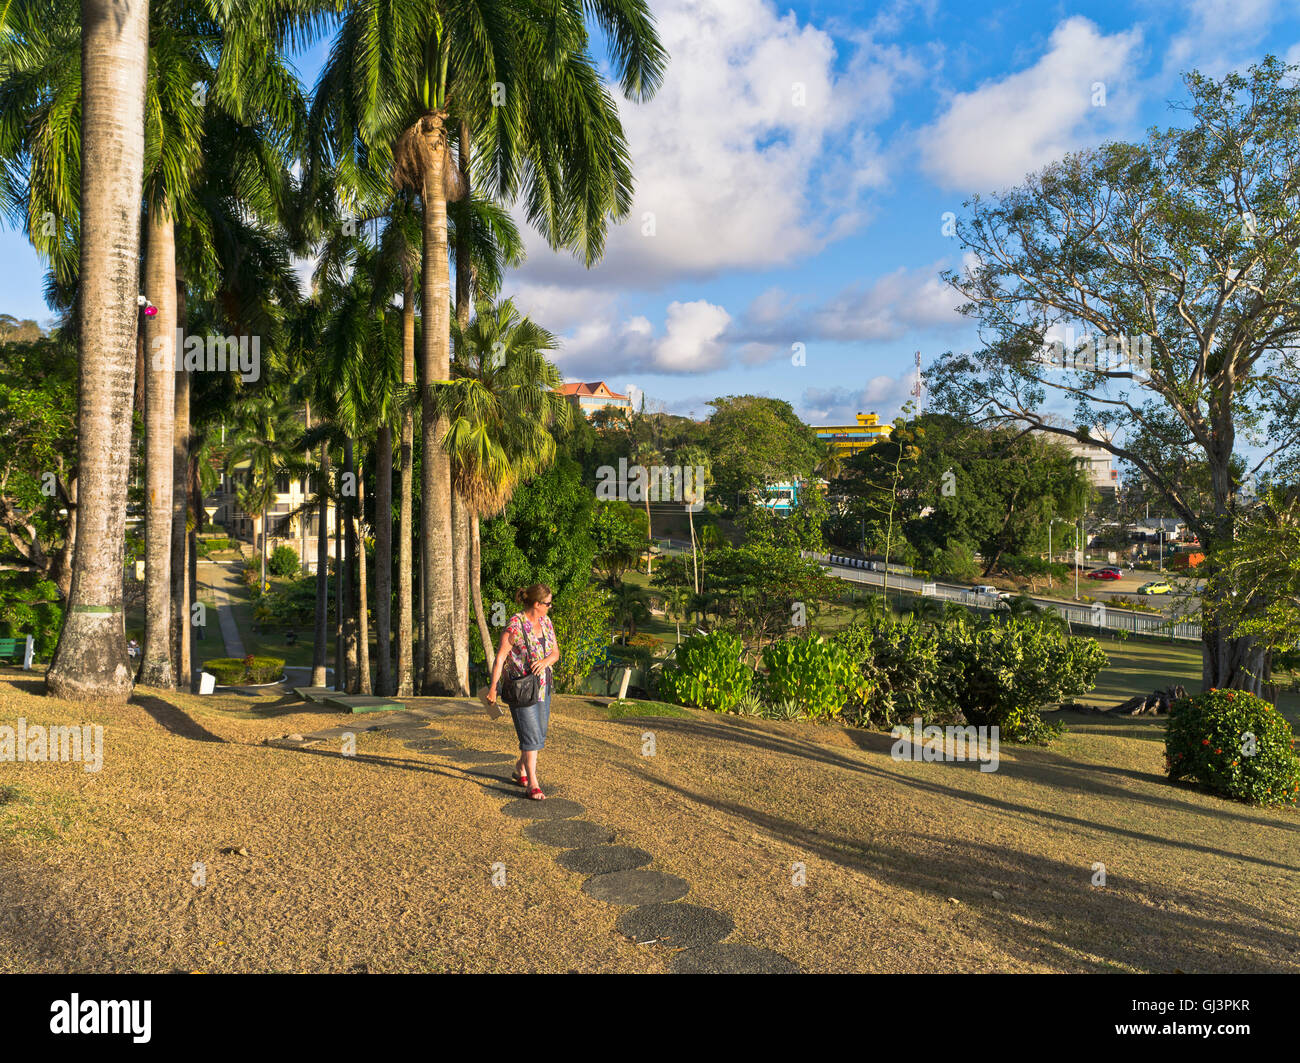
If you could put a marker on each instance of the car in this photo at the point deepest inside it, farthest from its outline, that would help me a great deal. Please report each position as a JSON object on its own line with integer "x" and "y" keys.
{"x": 1103, "y": 573}
{"x": 985, "y": 589}
{"x": 1156, "y": 586}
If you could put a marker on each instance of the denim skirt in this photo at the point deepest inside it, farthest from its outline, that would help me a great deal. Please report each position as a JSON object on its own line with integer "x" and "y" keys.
{"x": 531, "y": 721}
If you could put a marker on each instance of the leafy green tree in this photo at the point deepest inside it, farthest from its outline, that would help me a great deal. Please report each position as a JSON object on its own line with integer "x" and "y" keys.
{"x": 755, "y": 441}
{"x": 1176, "y": 259}
{"x": 499, "y": 409}
{"x": 38, "y": 448}
{"x": 992, "y": 488}
{"x": 542, "y": 535}
{"x": 618, "y": 534}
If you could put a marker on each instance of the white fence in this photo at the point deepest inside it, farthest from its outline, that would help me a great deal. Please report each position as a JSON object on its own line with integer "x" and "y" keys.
{"x": 1095, "y": 615}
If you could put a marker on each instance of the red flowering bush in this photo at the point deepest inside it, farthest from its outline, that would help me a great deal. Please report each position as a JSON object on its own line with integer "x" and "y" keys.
{"x": 1234, "y": 744}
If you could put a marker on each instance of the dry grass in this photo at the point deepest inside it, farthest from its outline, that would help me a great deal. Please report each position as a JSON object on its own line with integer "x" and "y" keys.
{"x": 385, "y": 860}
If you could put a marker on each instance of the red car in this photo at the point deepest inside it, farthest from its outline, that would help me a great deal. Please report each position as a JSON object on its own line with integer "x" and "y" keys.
{"x": 1103, "y": 573}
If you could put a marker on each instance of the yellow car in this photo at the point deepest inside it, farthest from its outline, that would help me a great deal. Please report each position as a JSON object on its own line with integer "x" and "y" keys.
{"x": 1158, "y": 586}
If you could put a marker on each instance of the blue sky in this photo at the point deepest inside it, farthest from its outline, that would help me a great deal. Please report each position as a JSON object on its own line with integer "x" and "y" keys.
{"x": 793, "y": 172}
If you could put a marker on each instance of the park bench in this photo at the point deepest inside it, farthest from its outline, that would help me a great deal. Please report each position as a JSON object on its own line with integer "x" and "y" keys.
{"x": 9, "y": 648}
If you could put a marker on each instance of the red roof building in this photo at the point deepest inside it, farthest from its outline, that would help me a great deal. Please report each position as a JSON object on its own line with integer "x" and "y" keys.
{"x": 588, "y": 398}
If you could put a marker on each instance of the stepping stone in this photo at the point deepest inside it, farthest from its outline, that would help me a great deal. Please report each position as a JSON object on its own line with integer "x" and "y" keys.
{"x": 675, "y": 925}
{"x": 341, "y": 730}
{"x": 317, "y": 694}
{"x": 635, "y": 887}
{"x": 731, "y": 958}
{"x": 569, "y": 833}
{"x": 424, "y": 745}
{"x": 601, "y": 859}
{"x": 363, "y": 703}
{"x": 551, "y": 808}
{"x": 293, "y": 743}
{"x": 474, "y": 756}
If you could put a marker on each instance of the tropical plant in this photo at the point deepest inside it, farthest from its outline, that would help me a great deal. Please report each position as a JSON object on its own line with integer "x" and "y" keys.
{"x": 1003, "y": 670}
{"x": 1234, "y": 744}
{"x": 820, "y": 675}
{"x": 707, "y": 671}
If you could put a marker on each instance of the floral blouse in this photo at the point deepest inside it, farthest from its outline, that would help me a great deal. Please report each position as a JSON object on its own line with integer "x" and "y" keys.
{"x": 530, "y": 641}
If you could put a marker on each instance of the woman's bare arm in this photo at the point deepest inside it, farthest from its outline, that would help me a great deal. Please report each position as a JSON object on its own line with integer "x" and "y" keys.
{"x": 503, "y": 651}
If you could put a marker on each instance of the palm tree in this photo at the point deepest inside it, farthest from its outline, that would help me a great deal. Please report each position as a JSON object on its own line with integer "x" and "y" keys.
{"x": 691, "y": 458}
{"x": 499, "y": 408}
{"x": 403, "y": 78}
{"x": 90, "y": 661}
{"x": 266, "y": 444}
{"x": 362, "y": 367}
{"x": 631, "y": 606}
{"x": 647, "y": 456}
{"x": 186, "y": 39}
{"x": 677, "y": 601}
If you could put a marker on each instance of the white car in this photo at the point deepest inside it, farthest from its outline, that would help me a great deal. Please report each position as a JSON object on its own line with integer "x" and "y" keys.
{"x": 984, "y": 591}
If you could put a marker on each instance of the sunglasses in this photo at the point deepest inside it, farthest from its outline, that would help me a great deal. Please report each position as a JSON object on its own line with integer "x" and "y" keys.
{"x": 547, "y": 602}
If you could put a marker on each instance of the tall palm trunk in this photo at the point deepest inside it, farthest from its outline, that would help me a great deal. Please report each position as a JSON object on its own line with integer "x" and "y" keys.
{"x": 695, "y": 557}
{"x": 439, "y": 650}
{"x": 160, "y": 411}
{"x": 460, "y": 517}
{"x": 363, "y": 618}
{"x": 183, "y": 588}
{"x": 476, "y": 587}
{"x": 90, "y": 661}
{"x": 460, "y": 513}
{"x": 405, "y": 573}
{"x": 350, "y": 547}
{"x": 384, "y": 559}
{"x": 340, "y": 579}
{"x": 322, "y": 569}
{"x": 266, "y": 533}
{"x": 649, "y": 534}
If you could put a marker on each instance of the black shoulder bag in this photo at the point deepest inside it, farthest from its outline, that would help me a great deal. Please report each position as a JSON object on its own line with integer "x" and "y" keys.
{"x": 526, "y": 689}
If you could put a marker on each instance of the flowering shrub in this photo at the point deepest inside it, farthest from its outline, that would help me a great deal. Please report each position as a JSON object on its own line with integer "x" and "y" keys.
{"x": 1234, "y": 744}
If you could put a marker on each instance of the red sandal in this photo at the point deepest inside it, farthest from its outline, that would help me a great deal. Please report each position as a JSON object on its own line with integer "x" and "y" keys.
{"x": 521, "y": 778}
{"x": 535, "y": 792}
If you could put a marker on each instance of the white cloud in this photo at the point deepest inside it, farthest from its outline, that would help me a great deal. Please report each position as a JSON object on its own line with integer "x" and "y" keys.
{"x": 992, "y": 137}
{"x": 756, "y": 151}
{"x": 691, "y": 342}
{"x": 884, "y": 395}
{"x": 900, "y": 302}
{"x": 1220, "y": 36}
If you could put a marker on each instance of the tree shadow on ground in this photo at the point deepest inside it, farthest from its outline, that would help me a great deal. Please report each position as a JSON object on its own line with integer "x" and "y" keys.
{"x": 1060, "y": 918}
{"x": 1078, "y": 779}
{"x": 173, "y": 718}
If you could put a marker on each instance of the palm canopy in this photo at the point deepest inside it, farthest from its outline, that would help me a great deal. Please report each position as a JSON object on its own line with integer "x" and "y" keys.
{"x": 360, "y": 339}
{"x": 200, "y": 53}
{"x": 519, "y": 77}
{"x": 499, "y": 405}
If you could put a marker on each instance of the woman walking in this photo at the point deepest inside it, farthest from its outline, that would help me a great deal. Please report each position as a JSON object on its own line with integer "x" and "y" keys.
{"x": 528, "y": 647}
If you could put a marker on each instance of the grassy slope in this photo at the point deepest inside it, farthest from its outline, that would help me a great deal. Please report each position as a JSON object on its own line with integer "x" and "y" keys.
{"x": 385, "y": 860}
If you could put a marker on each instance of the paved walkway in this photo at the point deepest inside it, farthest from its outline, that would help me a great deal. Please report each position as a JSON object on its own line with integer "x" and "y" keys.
{"x": 617, "y": 874}
{"x": 229, "y": 630}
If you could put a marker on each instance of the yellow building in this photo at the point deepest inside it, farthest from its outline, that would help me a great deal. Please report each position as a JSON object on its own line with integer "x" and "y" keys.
{"x": 848, "y": 439}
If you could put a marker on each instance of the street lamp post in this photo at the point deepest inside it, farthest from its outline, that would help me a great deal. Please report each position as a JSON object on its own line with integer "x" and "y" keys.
{"x": 1080, "y": 541}
{"x": 1055, "y": 520}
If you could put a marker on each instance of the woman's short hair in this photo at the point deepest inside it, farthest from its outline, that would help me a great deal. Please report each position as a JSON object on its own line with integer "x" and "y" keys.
{"x": 528, "y": 596}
